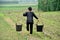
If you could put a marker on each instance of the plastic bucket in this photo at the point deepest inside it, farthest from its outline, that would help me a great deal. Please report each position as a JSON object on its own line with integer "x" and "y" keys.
{"x": 39, "y": 28}
{"x": 18, "y": 27}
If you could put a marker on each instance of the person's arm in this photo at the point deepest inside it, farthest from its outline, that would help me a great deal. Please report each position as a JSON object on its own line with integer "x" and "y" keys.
{"x": 25, "y": 14}
{"x": 35, "y": 16}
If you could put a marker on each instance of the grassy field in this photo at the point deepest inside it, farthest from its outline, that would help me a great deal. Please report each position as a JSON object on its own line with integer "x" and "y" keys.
{"x": 8, "y": 19}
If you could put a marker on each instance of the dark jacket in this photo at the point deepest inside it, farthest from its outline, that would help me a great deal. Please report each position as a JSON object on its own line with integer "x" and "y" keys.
{"x": 30, "y": 16}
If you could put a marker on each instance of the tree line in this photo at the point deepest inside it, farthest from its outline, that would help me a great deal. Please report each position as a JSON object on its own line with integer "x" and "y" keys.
{"x": 49, "y": 5}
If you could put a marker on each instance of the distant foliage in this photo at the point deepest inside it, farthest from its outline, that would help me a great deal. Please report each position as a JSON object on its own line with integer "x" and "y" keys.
{"x": 18, "y": 1}
{"x": 49, "y": 5}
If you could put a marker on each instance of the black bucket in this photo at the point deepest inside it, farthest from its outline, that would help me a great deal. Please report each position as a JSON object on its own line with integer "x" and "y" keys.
{"x": 18, "y": 27}
{"x": 39, "y": 28}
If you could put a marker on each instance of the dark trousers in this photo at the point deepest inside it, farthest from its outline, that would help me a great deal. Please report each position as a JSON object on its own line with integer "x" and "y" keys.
{"x": 30, "y": 25}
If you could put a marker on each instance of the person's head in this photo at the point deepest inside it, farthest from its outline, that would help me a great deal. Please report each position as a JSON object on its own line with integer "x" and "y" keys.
{"x": 30, "y": 8}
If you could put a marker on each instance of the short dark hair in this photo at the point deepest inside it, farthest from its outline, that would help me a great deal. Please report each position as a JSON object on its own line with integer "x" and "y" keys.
{"x": 30, "y": 8}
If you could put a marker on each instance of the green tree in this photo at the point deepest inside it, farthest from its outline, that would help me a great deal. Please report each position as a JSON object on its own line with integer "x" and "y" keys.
{"x": 49, "y": 5}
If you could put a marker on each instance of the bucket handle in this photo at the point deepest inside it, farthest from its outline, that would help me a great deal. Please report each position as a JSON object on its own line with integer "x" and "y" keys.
{"x": 40, "y": 19}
